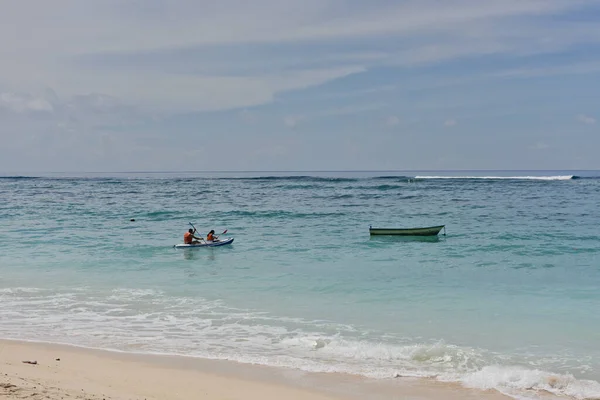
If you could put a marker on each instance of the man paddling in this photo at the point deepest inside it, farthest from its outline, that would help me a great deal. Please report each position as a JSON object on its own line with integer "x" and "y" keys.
{"x": 189, "y": 238}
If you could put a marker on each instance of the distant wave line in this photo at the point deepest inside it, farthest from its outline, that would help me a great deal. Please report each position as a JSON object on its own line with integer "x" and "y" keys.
{"x": 303, "y": 179}
{"x": 542, "y": 178}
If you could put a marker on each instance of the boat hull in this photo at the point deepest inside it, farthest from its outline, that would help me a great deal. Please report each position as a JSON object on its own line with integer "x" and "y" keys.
{"x": 428, "y": 231}
{"x": 216, "y": 243}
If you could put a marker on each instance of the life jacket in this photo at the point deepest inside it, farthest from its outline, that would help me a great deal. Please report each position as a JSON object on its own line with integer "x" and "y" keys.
{"x": 187, "y": 238}
{"x": 210, "y": 237}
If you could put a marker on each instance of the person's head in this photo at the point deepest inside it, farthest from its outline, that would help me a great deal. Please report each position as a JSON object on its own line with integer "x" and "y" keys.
{"x": 212, "y": 231}
{"x": 191, "y": 230}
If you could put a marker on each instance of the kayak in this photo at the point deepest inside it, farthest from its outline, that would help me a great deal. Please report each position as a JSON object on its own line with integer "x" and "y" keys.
{"x": 218, "y": 242}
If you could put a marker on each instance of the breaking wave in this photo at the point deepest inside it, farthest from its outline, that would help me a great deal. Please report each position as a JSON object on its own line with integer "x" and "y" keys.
{"x": 121, "y": 320}
{"x": 531, "y": 177}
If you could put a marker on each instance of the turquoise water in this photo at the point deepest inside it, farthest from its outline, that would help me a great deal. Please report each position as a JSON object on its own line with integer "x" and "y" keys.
{"x": 508, "y": 299}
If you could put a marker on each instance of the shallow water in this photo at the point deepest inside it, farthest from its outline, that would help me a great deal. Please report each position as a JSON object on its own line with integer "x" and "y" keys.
{"x": 507, "y": 299}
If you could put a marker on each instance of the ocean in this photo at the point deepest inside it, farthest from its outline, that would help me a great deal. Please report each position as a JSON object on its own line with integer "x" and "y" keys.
{"x": 508, "y": 299}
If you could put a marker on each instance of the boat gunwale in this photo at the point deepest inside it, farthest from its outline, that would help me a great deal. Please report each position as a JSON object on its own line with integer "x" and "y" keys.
{"x": 424, "y": 231}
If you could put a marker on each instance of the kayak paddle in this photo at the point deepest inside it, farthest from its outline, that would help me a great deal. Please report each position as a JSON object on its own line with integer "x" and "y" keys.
{"x": 195, "y": 230}
{"x": 224, "y": 232}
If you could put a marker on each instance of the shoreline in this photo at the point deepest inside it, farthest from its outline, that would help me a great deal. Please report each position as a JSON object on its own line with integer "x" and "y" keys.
{"x": 64, "y": 371}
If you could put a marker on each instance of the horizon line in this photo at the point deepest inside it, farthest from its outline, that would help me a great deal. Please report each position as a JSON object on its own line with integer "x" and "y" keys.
{"x": 17, "y": 173}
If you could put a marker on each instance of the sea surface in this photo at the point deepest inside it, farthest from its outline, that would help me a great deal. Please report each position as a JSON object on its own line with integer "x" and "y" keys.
{"x": 508, "y": 299}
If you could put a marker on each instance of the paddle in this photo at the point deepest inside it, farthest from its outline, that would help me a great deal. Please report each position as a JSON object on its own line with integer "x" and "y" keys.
{"x": 196, "y": 230}
{"x": 216, "y": 237}
{"x": 222, "y": 233}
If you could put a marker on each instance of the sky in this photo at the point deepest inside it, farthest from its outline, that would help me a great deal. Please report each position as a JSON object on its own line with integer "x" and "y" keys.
{"x": 276, "y": 85}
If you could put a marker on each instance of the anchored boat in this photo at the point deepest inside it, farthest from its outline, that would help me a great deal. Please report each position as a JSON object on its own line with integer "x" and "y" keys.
{"x": 428, "y": 231}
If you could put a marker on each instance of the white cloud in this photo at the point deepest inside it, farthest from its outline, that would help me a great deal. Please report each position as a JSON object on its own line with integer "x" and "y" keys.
{"x": 21, "y": 103}
{"x": 46, "y": 123}
{"x": 247, "y": 116}
{"x": 424, "y": 32}
{"x": 291, "y": 121}
{"x": 450, "y": 122}
{"x": 189, "y": 23}
{"x": 576, "y": 68}
{"x": 349, "y": 110}
{"x": 40, "y": 105}
{"x": 540, "y": 146}
{"x": 586, "y": 119}
{"x": 392, "y": 121}
{"x": 187, "y": 93}
{"x": 162, "y": 58}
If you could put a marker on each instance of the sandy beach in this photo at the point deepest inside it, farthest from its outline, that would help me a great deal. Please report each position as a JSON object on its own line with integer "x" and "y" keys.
{"x": 65, "y": 372}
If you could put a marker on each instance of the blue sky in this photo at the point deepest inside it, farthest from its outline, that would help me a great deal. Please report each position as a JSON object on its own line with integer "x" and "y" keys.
{"x": 120, "y": 85}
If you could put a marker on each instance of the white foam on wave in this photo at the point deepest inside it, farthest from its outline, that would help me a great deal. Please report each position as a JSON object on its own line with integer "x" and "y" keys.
{"x": 19, "y": 290}
{"x": 153, "y": 322}
{"x": 519, "y": 381}
{"x": 541, "y": 178}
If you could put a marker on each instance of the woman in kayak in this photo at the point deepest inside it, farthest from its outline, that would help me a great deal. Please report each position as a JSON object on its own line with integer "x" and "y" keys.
{"x": 188, "y": 237}
{"x": 211, "y": 236}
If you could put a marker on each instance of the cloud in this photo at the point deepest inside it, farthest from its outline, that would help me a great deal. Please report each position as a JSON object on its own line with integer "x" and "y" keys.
{"x": 23, "y": 103}
{"x": 450, "y": 122}
{"x": 349, "y": 110}
{"x": 392, "y": 121}
{"x": 188, "y": 93}
{"x": 189, "y": 23}
{"x": 291, "y": 121}
{"x": 47, "y": 123}
{"x": 540, "y": 146}
{"x": 574, "y": 68}
{"x": 334, "y": 113}
{"x": 165, "y": 68}
{"x": 199, "y": 56}
{"x": 248, "y": 117}
{"x": 585, "y": 119}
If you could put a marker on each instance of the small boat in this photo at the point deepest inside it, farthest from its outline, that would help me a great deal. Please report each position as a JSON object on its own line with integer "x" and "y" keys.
{"x": 428, "y": 231}
{"x": 215, "y": 243}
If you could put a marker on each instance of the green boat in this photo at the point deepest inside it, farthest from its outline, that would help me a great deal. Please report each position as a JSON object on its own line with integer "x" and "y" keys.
{"x": 428, "y": 231}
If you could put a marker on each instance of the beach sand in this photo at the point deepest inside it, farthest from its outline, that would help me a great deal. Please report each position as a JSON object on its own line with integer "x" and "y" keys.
{"x": 66, "y": 372}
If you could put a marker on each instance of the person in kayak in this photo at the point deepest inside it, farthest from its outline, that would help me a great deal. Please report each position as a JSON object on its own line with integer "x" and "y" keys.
{"x": 211, "y": 236}
{"x": 189, "y": 238}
